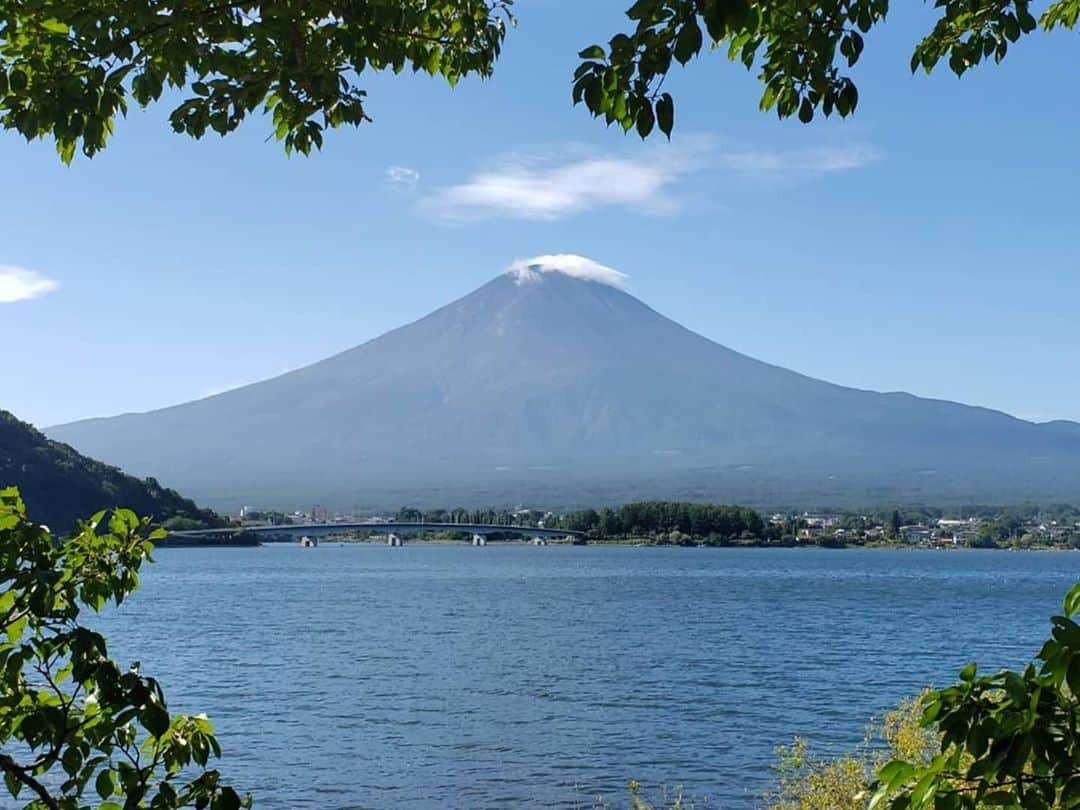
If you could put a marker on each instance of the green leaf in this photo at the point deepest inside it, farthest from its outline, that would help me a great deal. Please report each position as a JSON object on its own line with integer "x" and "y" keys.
{"x": 14, "y": 786}
{"x": 1072, "y": 598}
{"x": 665, "y": 114}
{"x": 227, "y": 800}
{"x": 105, "y": 784}
{"x": 71, "y": 760}
{"x": 154, "y": 719}
{"x": 688, "y": 42}
{"x": 1073, "y": 675}
{"x": 594, "y": 95}
{"x": 895, "y": 773}
{"x": 645, "y": 120}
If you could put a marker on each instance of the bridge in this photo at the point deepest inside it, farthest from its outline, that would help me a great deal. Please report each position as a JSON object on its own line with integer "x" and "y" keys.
{"x": 282, "y": 532}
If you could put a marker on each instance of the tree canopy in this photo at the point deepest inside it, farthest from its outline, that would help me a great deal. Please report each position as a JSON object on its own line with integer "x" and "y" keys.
{"x": 63, "y": 485}
{"x": 803, "y": 51}
{"x": 69, "y": 68}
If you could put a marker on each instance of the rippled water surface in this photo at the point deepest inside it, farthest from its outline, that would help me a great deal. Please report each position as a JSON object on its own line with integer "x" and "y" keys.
{"x": 510, "y": 676}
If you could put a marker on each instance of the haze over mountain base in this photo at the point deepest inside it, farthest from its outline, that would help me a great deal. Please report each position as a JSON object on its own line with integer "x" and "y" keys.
{"x": 557, "y": 388}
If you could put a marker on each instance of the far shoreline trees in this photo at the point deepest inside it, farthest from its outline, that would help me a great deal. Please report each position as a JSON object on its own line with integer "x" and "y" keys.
{"x": 661, "y": 522}
{"x": 673, "y": 522}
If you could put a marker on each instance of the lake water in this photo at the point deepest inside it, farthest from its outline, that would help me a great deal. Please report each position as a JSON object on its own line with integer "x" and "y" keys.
{"x": 517, "y": 677}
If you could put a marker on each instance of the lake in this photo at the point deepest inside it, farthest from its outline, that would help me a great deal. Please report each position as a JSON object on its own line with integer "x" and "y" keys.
{"x": 510, "y": 676}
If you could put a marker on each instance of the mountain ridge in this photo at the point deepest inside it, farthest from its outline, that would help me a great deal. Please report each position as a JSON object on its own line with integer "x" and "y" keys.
{"x": 61, "y": 486}
{"x": 525, "y": 379}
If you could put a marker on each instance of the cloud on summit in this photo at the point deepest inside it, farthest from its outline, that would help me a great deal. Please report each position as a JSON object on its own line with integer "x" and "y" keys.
{"x": 20, "y": 284}
{"x": 529, "y": 271}
{"x": 550, "y": 186}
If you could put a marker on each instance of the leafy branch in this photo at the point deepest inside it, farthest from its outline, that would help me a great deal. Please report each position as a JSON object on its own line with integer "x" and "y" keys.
{"x": 64, "y": 701}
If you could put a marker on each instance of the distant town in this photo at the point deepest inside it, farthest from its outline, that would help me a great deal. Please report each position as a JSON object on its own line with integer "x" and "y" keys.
{"x": 679, "y": 523}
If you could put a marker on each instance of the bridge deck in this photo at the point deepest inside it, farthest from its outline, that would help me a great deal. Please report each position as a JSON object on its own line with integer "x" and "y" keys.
{"x": 311, "y": 529}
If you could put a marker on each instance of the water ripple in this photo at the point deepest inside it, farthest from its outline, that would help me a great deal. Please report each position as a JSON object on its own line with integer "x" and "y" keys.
{"x": 433, "y": 677}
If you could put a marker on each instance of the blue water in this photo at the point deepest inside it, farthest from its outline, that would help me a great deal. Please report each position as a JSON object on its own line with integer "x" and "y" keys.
{"x": 508, "y": 676}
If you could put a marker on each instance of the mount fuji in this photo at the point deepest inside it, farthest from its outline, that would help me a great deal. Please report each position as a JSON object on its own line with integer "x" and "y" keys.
{"x": 551, "y": 385}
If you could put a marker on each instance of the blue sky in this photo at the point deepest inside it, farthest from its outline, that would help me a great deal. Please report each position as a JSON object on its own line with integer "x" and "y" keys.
{"x": 928, "y": 244}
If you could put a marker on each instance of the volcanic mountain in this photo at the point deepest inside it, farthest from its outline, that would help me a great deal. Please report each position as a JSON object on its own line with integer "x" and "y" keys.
{"x": 559, "y": 388}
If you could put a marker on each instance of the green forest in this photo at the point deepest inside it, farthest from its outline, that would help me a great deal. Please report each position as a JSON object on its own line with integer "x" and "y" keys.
{"x": 62, "y": 486}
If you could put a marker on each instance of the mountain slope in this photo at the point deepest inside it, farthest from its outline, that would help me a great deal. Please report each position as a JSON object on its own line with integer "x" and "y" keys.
{"x": 60, "y": 486}
{"x": 550, "y": 386}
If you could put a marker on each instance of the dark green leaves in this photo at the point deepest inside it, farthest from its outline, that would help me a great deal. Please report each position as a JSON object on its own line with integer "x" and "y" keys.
{"x": 70, "y": 75}
{"x": 17, "y": 81}
{"x": 970, "y": 32}
{"x": 800, "y": 49}
{"x": 63, "y": 702}
{"x": 1011, "y": 739}
{"x": 105, "y": 783}
{"x": 688, "y": 41}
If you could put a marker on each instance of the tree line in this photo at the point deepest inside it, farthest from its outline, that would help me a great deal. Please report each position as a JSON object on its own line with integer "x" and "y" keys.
{"x": 663, "y": 521}
{"x": 528, "y": 518}
{"x": 675, "y": 520}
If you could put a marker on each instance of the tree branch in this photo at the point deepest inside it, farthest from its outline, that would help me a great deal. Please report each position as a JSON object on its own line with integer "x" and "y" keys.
{"x": 7, "y": 764}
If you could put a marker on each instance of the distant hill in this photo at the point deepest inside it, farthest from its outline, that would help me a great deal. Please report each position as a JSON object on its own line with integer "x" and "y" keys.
{"x": 60, "y": 486}
{"x": 550, "y": 389}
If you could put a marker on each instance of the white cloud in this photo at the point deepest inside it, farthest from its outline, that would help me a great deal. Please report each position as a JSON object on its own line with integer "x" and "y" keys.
{"x": 530, "y": 270}
{"x": 520, "y": 191}
{"x": 549, "y": 187}
{"x": 402, "y": 178}
{"x": 18, "y": 284}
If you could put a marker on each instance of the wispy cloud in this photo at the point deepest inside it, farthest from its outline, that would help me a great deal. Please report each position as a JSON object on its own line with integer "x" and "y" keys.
{"x": 19, "y": 284}
{"x": 552, "y": 186}
{"x": 538, "y": 189}
{"x": 402, "y": 178}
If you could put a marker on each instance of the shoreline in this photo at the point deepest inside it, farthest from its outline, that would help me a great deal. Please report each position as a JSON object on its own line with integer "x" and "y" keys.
{"x": 644, "y": 543}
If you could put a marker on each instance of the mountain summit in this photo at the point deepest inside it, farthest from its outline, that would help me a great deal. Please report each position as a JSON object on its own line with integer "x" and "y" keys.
{"x": 550, "y": 384}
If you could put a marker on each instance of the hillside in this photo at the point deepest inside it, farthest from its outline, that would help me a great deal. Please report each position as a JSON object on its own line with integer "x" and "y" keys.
{"x": 60, "y": 486}
{"x": 547, "y": 388}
